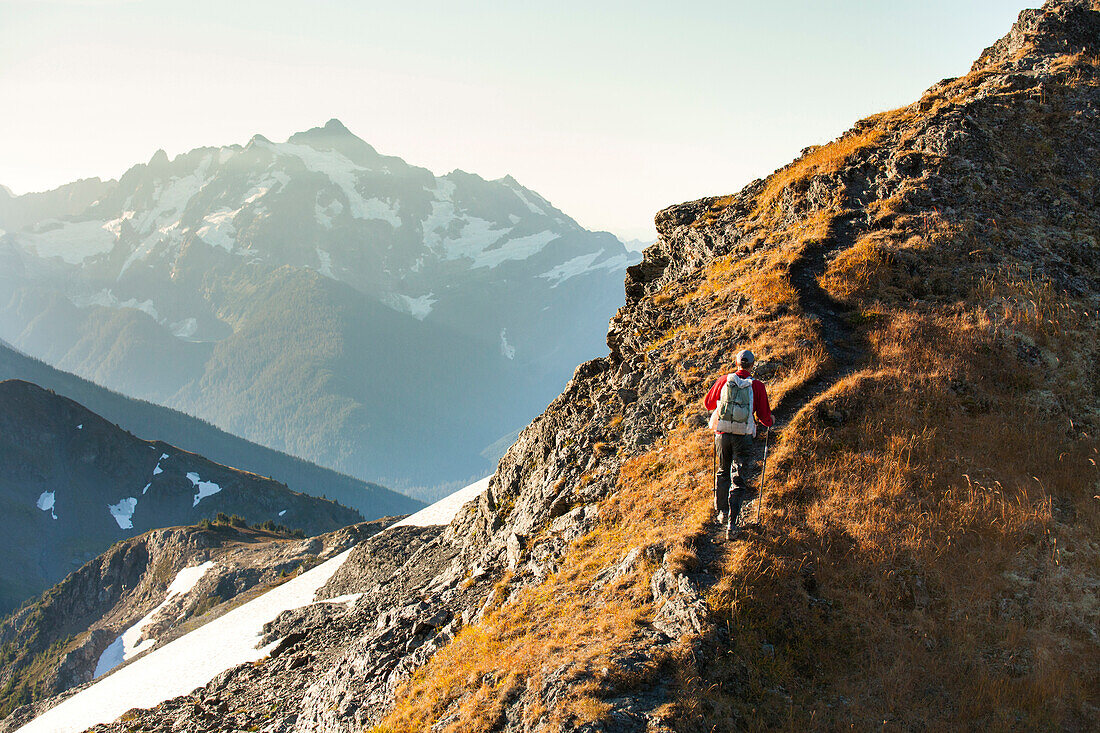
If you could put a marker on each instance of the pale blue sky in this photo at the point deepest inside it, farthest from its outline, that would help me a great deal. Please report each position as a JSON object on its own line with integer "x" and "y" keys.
{"x": 611, "y": 110}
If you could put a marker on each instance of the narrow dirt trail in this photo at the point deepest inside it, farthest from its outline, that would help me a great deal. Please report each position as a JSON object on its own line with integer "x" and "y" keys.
{"x": 833, "y": 318}
{"x": 846, "y": 352}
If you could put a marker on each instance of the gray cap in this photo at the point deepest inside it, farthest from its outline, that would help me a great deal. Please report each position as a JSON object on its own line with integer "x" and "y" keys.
{"x": 745, "y": 358}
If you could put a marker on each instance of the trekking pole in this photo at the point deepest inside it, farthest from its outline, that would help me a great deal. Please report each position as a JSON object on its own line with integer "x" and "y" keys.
{"x": 714, "y": 472}
{"x": 763, "y": 472}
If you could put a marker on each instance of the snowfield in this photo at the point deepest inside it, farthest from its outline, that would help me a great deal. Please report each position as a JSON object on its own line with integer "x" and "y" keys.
{"x": 46, "y": 503}
{"x": 73, "y": 242}
{"x": 123, "y": 512}
{"x": 444, "y": 510}
{"x": 582, "y": 264}
{"x": 196, "y": 658}
{"x": 419, "y": 308}
{"x": 130, "y": 643}
{"x": 203, "y": 488}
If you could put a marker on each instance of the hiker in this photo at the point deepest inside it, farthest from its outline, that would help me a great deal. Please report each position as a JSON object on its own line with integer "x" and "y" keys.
{"x": 739, "y": 403}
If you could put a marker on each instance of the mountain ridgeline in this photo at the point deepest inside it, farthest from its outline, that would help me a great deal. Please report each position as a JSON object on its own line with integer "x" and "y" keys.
{"x": 187, "y": 433}
{"x": 72, "y": 483}
{"x": 314, "y": 296}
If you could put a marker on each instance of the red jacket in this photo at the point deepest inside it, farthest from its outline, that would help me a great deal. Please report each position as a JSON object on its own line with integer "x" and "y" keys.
{"x": 761, "y": 411}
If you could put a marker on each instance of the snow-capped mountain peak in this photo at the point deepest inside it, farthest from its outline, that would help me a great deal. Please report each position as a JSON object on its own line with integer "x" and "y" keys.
{"x": 189, "y": 241}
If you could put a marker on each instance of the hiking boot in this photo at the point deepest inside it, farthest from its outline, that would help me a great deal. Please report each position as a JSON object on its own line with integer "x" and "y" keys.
{"x": 733, "y": 532}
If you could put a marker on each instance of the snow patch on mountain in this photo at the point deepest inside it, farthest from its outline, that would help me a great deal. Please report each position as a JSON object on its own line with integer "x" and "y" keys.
{"x": 326, "y": 263}
{"x": 114, "y": 226}
{"x": 123, "y": 512}
{"x": 172, "y": 198}
{"x": 130, "y": 643}
{"x": 327, "y": 213}
{"x": 73, "y": 242}
{"x": 107, "y": 299}
{"x": 535, "y": 209}
{"x": 161, "y": 224}
{"x": 582, "y": 264}
{"x": 485, "y": 243}
{"x": 506, "y": 348}
{"x": 376, "y": 208}
{"x": 344, "y": 174}
{"x": 257, "y": 192}
{"x": 184, "y": 329}
{"x": 46, "y": 503}
{"x": 218, "y": 229}
{"x": 444, "y": 510}
{"x": 519, "y": 248}
{"x": 474, "y": 235}
{"x": 204, "y": 488}
{"x": 419, "y": 308}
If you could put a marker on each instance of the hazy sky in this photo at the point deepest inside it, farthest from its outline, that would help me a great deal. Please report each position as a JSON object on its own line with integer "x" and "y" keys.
{"x": 611, "y": 110}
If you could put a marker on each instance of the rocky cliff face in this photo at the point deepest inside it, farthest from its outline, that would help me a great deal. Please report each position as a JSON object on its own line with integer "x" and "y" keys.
{"x": 922, "y": 294}
{"x": 72, "y": 483}
{"x": 131, "y": 599}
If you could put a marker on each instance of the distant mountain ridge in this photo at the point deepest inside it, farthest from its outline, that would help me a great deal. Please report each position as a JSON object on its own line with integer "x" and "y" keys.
{"x": 191, "y": 434}
{"x": 72, "y": 483}
{"x": 315, "y": 296}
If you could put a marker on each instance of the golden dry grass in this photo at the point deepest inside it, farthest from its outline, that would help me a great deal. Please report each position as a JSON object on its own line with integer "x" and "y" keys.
{"x": 927, "y": 516}
{"x": 930, "y": 560}
{"x": 856, "y": 269}
{"x": 914, "y": 572}
{"x": 570, "y": 627}
{"x": 819, "y": 161}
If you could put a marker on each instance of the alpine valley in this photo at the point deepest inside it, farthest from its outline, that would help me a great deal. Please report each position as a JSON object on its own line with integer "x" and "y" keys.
{"x": 316, "y": 297}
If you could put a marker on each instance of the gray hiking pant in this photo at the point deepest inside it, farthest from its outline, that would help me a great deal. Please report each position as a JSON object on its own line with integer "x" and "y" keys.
{"x": 735, "y": 466}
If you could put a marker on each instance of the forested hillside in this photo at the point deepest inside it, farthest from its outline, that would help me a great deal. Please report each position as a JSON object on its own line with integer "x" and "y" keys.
{"x": 197, "y": 436}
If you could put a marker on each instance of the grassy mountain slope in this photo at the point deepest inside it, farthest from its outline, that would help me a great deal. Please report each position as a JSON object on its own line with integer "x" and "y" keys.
{"x": 923, "y": 293}
{"x": 197, "y": 436}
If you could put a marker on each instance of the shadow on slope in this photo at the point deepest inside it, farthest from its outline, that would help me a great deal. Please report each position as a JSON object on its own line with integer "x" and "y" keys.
{"x": 198, "y": 436}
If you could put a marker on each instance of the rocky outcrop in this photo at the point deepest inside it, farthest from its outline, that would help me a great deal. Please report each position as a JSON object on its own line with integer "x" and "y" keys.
{"x": 55, "y": 644}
